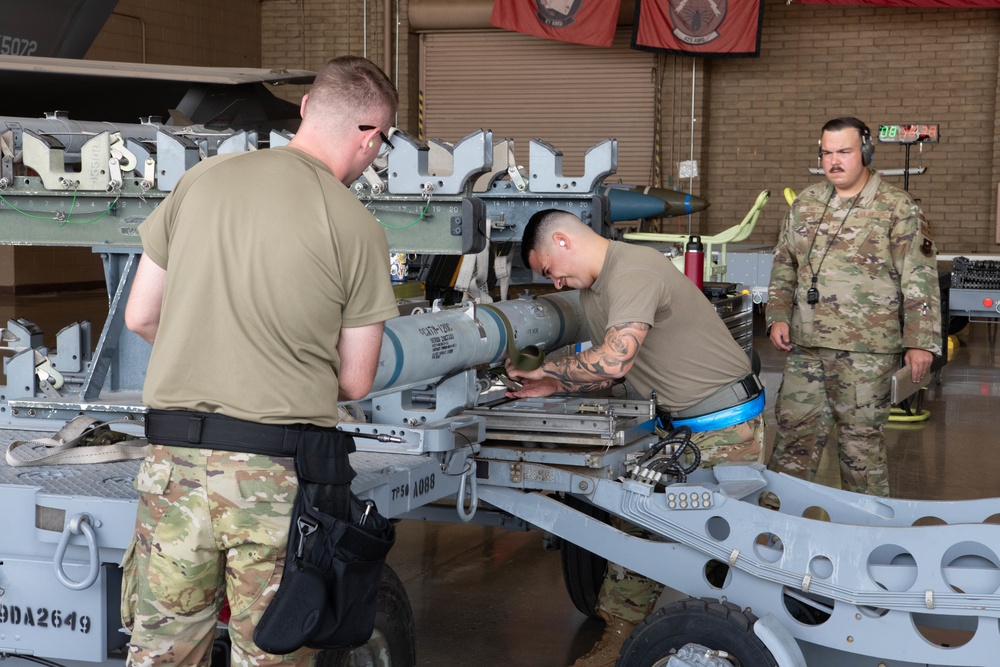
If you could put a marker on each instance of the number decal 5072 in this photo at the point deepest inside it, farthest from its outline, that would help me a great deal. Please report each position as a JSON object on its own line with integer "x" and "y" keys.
{"x": 15, "y": 46}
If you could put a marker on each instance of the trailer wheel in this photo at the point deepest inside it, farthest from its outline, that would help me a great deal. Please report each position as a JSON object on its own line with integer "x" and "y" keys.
{"x": 716, "y": 625}
{"x": 583, "y": 571}
{"x": 393, "y": 643}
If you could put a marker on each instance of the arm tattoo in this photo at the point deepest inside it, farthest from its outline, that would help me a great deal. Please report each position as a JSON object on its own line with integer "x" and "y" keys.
{"x": 599, "y": 367}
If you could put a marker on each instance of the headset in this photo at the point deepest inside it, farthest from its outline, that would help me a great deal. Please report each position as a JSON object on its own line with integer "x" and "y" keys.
{"x": 867, "y": 143}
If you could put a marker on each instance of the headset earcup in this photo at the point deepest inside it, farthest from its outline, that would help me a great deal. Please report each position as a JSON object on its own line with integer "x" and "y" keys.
{"x": 867, "y": 149}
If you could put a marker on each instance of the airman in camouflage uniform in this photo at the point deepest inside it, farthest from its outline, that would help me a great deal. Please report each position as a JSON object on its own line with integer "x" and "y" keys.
{"x": 652, "y": 326}
{"x": 283, "y": 348}
{"x": 194, "y": 503}
{"x": 854, "y": 284}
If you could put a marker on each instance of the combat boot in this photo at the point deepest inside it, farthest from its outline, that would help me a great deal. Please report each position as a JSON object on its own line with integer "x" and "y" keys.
{"x": 606, "y": 650}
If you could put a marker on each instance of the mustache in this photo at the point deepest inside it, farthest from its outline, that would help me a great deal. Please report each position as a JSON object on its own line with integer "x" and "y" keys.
{"x": 835, "y": 169}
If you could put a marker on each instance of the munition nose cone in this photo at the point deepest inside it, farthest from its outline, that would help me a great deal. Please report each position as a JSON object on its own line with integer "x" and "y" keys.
{"x": 678, "y": 203}
{"x": 639, "y": 202}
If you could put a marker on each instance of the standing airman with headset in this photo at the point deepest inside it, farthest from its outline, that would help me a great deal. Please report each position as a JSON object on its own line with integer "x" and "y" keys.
{"x": 854, "y": 285}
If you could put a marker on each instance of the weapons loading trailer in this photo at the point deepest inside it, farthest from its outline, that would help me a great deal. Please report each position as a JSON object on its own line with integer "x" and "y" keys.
{"x": 867, "y": 583}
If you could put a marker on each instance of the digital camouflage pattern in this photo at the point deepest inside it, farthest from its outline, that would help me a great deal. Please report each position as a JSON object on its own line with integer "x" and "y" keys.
{"x": 210, "y": 525}
{"x": 838, "y": 395}
{"x": 876, "y": 274}
{"x": 626, "y": 594}
{"x": 740, "y": 443}
{"x": 630, "y": 596}
{"x": 877, "y": 278}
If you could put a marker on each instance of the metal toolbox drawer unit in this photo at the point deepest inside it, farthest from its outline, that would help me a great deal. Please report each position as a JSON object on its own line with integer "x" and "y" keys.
{"x": 737, "y": 312}
{"x": 983, "y": 302}
{"x": 975, "y": 287}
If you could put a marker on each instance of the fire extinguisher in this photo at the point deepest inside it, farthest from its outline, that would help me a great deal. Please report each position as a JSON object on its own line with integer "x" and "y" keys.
{"x": 694, "y": 261}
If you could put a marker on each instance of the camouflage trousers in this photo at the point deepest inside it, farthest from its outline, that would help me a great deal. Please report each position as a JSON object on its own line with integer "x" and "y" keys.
{"x": 841, "y": 394}
{"x": 630, "y": 596}
{"x": 211, "y": 525}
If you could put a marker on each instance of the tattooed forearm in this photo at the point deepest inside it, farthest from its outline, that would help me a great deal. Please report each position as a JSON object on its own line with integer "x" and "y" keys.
{"x": 599, "y": 367}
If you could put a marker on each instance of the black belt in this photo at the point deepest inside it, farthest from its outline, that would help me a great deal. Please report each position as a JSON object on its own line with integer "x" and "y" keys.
{"x": 731, "y": 395}
{"x": 203, "y": 430}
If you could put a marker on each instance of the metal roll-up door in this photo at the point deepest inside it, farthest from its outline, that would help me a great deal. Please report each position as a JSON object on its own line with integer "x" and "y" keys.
{"x": 523, "y": 87}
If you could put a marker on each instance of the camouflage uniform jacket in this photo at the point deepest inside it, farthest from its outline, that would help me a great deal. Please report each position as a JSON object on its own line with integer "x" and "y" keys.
{"x": 877, "y": 278}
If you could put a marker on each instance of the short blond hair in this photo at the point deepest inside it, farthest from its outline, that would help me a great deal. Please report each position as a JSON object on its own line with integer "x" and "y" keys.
{"x": 353, "y": 90}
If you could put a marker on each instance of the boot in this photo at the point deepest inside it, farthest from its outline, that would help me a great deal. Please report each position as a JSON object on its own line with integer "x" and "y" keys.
{"x": 606, "y": 650}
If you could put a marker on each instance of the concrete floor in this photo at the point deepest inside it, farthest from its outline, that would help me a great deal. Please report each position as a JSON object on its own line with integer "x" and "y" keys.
{"x": 484, "y": 596}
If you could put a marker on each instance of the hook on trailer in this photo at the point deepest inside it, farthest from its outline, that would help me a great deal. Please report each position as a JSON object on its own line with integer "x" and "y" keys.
{"x": 464, "y": 515}
{"x": 79, "y": 524}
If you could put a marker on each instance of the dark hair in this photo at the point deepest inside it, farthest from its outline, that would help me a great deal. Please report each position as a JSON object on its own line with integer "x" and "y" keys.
{"x": 847, "y": 122}
{"x": 844, "y": 122}
{"x": 533, "y": 233}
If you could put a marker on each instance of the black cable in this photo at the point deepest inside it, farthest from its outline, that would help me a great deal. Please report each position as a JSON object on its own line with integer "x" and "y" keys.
{"x": 469, "y": 464}
{"x": 670, "y": 466}
{"x": 679, "y": 436}
{"x": 31, "y": 658}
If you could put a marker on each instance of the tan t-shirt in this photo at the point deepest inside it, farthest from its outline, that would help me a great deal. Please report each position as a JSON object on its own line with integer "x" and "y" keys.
{"x": 689, "y": 352}
{"x": 268, "y": 256}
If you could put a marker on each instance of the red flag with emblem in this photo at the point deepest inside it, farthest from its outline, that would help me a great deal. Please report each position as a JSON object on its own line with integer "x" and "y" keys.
{"x": 582, "y": 21}
{"x": 718, "y": 28}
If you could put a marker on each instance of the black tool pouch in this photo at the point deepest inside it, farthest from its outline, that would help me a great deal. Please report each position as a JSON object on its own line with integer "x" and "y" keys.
{"x": 337, "y": 544}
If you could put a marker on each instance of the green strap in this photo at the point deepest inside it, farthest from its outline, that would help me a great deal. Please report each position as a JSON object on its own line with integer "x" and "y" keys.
{"x": 528, "y": 359}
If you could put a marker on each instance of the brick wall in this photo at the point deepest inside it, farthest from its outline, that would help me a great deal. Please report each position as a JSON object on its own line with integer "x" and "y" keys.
{"x": 756, "y": 120}
{"x": 304, "y": 34}
{"x": 883, "y": 65}
{"x": 215, "y": 33}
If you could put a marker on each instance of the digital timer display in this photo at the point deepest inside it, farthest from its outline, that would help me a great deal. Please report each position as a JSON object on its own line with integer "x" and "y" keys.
{"x": 909, "y": 134}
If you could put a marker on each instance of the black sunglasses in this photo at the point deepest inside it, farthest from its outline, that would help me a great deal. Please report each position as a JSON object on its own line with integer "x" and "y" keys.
{"x": 385, "y": 139}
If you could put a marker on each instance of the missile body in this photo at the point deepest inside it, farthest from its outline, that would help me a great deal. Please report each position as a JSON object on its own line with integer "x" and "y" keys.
{"x": 423, "y": 348}
{"x": 638, "y": 202}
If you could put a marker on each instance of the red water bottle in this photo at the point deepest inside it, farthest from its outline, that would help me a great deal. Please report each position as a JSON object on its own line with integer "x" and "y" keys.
{"x": 694, "y": 261}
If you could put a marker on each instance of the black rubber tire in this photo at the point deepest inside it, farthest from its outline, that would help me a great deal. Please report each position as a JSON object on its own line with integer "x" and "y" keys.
{"x": 706, "y": 621}
{"x": 394, "y": 630}
{"x": 583, "y": 571}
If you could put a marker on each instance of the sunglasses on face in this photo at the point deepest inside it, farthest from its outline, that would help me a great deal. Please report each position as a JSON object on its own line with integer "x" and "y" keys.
{"x": 386, "y": 144}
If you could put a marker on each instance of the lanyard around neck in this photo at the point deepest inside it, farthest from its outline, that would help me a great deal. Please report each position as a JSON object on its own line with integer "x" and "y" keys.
{"x": 815, "y": 272}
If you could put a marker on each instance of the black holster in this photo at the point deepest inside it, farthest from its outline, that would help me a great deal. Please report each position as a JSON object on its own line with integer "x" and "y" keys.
{"x": 337, "y": 545}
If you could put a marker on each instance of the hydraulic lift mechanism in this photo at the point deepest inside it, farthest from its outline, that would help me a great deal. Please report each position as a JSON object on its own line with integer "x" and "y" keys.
{"x": 830, "y": 579}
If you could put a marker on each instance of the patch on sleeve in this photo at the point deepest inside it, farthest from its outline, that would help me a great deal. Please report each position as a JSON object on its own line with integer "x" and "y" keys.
{"x": 927, "y": 246}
